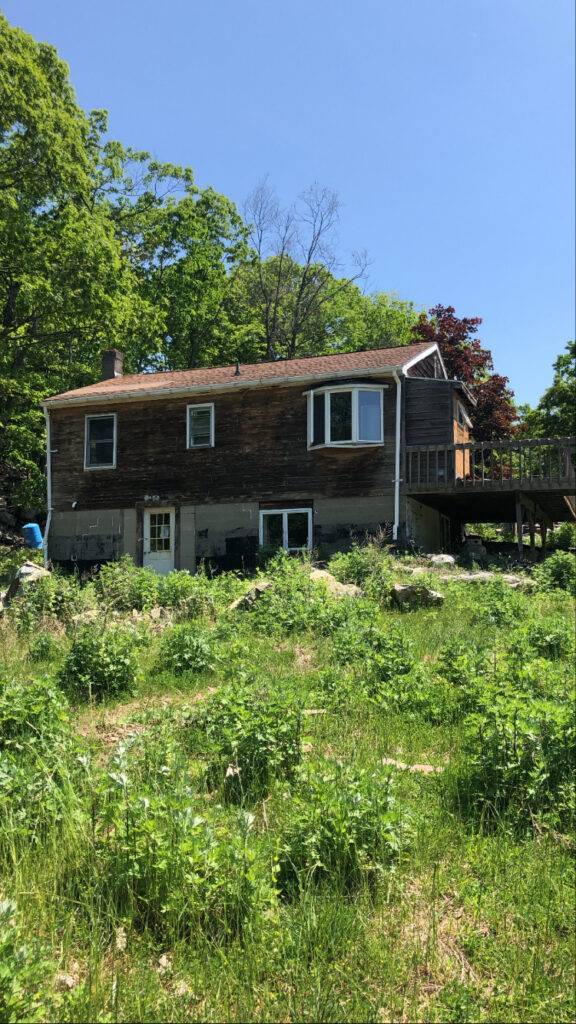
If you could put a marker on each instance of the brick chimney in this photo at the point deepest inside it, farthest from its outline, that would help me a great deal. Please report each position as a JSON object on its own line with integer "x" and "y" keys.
{"x": 112, "y": 363}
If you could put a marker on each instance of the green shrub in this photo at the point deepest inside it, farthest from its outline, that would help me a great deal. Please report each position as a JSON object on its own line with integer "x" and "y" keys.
{"x": 251, "y": 736}
{"x": 368, "y": 567}
{"x": 563, "y": 537}
{"x": 187, "y": 594}
{"x": 24, "y": 971}
{"x": 55, "y": 596}
{"x": 40, "y": 758}
{"x": 164, "y": 865}
{"x": 381, "y": 655}
{"x": 342, "y": 825}
{"x": 498, "y": 605}
{"x": 295, "y": 603}
{"x": 44, "y": 647}
{"x": 551, "y": 638}
{"x": 518, "y": 758}
{"x": 123, "y": 586}
{"x": 557, "y": 572}
{"x": 100, "y": 663}
{"x": 185, "y": 648}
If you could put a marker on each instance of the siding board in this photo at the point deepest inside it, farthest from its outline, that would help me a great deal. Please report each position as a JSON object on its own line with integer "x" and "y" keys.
{"x": 260, "y": 453}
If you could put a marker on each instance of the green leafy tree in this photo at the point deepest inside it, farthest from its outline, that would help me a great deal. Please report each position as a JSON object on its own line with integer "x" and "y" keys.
{"x": 555, "y": 414}
{"x": 65, "y": 290}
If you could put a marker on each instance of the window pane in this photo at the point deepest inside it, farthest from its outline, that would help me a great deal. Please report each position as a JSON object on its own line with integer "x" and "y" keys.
{"x": 101, "y": 429}
{"x": 318, "y": 423}
{"x": 341, "y": 416}
{"x": 101, "y": 453}
{"x": 200, "y": 420}
{"x": 272, "y": 532}
{"x": 369, "y": 416}
{"x": 297, "y": 529}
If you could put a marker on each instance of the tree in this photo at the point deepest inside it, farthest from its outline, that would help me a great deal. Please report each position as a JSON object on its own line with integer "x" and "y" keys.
{"x": 466, "y": 360}
{"x": 181, "y": 244}
{"x": 65, "y": 290}
{"x": 293, "y": 273}
{"x": 555, "y": 414}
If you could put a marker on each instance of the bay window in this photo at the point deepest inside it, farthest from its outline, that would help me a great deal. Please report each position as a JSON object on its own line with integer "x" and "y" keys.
{"x": 345, "y": 415}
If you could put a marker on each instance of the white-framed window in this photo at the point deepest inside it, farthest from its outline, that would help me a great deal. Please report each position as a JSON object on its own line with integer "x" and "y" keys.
{"x": 289, "y": 528}
{"x": 100, "y": 441}
{"x": 200, "y": 425}
{"x": 462, "y": 416}
{"x": 346, "y": 415}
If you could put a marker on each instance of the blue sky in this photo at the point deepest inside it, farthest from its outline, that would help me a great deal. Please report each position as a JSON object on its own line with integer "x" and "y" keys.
{"x": 446, "y": 127}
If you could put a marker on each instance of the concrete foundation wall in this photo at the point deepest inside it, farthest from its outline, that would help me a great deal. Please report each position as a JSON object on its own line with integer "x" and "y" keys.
{"x": 220, "y": 528}
{"x": 86, "y": 536}
{"x": 340, "y": 521}
{"x": 226, "y": 532}
{"x": 423, "y": 526}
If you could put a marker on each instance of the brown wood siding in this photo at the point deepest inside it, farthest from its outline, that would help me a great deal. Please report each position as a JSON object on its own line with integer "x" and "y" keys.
{"x": 428, "y": 367}
{"x": 260, "y": 454}
{"x": 429, "y": 411}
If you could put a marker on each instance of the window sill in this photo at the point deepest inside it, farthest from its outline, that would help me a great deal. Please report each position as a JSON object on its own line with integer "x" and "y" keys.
{"x": 91, "y": 469}
{"x": 346, "y": 444}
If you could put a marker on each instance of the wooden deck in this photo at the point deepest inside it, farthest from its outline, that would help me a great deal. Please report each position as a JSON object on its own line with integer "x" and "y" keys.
{"x": 485, "y": 481}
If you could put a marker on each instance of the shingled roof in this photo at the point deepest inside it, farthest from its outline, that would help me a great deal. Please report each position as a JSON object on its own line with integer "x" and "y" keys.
{"x": 215, "y": 377}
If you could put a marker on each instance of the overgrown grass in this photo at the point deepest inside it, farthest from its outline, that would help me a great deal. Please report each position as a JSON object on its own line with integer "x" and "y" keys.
{"x": 220, "y": 821}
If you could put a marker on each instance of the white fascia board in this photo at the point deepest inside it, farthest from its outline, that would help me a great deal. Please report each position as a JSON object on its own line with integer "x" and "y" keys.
{"x": 183, "y": 392}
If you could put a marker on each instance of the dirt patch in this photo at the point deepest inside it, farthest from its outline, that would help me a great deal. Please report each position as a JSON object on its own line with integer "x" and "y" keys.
{"x": 423, "y": 769}
{"x": 112, "y": 725}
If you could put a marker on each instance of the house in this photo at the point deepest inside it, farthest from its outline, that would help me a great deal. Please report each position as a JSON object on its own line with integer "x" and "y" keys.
{"x": 212, "y": 463}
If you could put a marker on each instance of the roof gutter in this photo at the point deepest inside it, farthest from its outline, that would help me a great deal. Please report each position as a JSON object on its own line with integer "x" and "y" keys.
{"x": 180, "y": 391}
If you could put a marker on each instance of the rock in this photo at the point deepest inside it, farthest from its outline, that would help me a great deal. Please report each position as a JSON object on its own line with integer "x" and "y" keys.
{"x": 65, "y": 982}
{"x": 28, "y": 574}
{"x": 248, "y": 600}
{"x": 415, "y": 595}
{"x": 442, "y": 559}
{"x": 336, "y": 588}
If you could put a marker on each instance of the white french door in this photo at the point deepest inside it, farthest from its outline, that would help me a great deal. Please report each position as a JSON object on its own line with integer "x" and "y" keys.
{"x": 289, "y": 528}
{"x": 159, "y": 540}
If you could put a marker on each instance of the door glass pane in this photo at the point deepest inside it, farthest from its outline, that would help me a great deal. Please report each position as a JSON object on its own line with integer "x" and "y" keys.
{"x": 200, "y": 420}
{"x": 297, "y": 529}
{"x": 272, "y": 530}
{"x": 341, "y": 416}
{"x": 160, "y": 532}
{"x": 318, "y": 424}
{"x": 369, "y": 416}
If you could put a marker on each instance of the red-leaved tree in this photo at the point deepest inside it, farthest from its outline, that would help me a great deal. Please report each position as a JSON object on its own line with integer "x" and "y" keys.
{"x": 466, "y": 360}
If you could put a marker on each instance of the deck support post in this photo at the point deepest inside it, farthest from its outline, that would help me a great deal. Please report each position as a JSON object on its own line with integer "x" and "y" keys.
{"x": 532, "y": 531}
{"x": 519, "y": 526}
{"x": 543, "y": 532}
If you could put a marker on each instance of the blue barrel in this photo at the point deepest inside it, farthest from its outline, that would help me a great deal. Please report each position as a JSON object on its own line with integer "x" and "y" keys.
{"x": 32, "y": 535}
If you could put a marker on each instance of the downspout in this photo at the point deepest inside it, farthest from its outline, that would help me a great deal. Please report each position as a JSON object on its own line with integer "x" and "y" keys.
{"x": 396, "y": 525}
{"x": 48, "y": 485}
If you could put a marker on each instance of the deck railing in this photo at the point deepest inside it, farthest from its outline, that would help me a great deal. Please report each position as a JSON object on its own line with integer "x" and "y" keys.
{"x": 545, "y": 463}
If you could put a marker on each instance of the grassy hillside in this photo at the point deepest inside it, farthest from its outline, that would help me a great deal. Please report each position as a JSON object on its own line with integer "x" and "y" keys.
{"x": 315, "y": 809}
